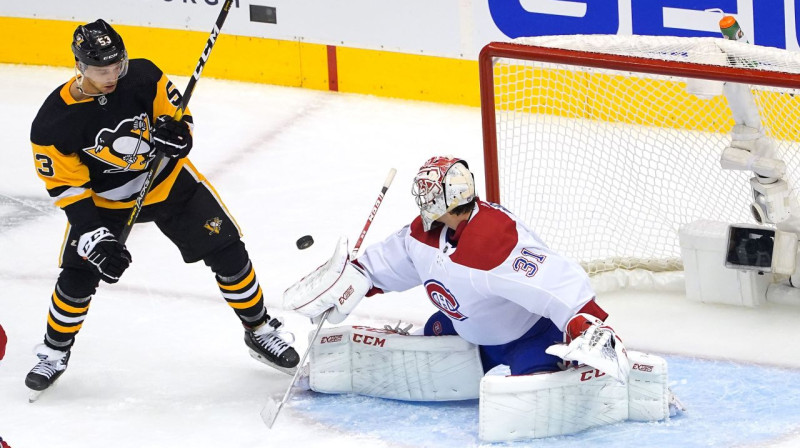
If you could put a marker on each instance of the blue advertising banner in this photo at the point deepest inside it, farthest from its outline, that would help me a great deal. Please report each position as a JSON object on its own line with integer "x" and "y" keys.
{"x": 766, "y": 21}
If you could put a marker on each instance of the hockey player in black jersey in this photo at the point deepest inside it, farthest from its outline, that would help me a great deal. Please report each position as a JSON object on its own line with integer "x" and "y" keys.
{"x": 93, "y": 139}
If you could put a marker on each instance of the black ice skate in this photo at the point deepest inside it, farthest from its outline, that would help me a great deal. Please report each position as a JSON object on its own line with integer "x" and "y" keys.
{"x": 267, "y": 345}
{"x": 52, "y": 363}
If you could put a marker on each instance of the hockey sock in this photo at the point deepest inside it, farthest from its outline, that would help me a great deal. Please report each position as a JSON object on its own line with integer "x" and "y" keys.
{"x": 65, "y": 319}
{"x": 244, "y": 295}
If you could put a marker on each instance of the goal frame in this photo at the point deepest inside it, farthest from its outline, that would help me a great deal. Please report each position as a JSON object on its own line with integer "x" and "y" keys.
{"x": 595, "y": 60}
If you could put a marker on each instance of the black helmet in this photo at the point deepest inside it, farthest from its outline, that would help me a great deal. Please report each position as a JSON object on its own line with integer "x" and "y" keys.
{"x": 98, "y": 44}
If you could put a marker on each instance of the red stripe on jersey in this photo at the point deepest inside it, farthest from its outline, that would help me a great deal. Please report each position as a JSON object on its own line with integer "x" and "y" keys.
{"x": 431, "y": 237}
{"x": 487, "y": 240}
{"x": 594, "y": 309}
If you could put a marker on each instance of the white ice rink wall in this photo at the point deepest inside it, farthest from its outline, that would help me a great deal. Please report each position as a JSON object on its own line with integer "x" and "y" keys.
{"x": 415, "y": 49}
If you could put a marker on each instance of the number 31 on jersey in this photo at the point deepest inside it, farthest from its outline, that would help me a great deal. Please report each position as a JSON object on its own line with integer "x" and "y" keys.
{"x": 528, "y": 263}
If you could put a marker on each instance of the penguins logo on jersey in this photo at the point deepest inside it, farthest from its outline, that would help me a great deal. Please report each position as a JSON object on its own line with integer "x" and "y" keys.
{"x": 125, "y": 148}
{"x": 213, "y": 226}
{"x": 443, "y": 299}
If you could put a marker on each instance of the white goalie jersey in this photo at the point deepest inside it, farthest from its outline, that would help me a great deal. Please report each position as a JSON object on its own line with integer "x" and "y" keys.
{"x": 494, "y": 278}
{"x": 494, "y": 283}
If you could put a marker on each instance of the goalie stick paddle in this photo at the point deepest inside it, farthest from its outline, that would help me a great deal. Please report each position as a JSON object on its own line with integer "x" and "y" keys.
{"x": 272, "y": 408}
{"x": 187, "y": 95}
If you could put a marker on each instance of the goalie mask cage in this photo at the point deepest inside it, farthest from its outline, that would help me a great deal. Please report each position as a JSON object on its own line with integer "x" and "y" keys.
{"x": 595, "y": 143}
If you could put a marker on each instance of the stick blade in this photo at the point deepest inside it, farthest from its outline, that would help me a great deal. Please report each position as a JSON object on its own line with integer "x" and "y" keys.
{"x": 270, "y": 412}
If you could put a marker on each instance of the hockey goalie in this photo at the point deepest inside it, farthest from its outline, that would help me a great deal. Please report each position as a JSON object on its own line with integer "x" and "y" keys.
{"x": 503, "y": 298}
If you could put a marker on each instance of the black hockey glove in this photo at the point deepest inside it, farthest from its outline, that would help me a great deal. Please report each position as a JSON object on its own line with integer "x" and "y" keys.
{"x": 102, "y": 250}
{"x": 172, "y": 137}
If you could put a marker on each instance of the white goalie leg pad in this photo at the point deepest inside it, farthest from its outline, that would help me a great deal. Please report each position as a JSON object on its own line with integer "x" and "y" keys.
{"x": 561, "y": 403}
{"x": 549, "y": 404}
{"x": 381, "y": 363}
{"x": 648, "y": 388}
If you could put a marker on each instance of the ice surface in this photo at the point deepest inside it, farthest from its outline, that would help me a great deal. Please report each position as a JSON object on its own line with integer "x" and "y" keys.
{"x": 160, "y": 361}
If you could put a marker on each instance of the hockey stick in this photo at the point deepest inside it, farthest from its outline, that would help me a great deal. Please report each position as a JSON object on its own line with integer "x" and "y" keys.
{"x": 272, "y": 407}
{"x": 155, "y": 164}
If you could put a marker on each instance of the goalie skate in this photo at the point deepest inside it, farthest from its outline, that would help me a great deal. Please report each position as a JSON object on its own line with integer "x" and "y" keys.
{"x": 269, "y": 347}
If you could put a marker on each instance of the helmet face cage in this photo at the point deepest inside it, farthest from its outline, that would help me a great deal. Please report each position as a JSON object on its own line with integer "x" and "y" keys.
{"x": 442, "y": 184}
{"x": 427, "y": 188}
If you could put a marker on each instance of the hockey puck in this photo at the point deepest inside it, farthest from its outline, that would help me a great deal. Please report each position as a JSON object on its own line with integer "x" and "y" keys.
{"x": 304, "y": 242}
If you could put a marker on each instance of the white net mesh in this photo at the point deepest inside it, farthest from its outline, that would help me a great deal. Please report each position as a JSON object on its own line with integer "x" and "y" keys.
{"x": 607, "y": 165}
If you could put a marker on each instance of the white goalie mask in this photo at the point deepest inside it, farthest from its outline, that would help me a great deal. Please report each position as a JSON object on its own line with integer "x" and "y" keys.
{"x": 442, "y": 184}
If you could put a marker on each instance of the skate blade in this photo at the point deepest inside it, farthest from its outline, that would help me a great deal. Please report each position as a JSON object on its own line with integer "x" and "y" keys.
{"x": 34, "y": 395}
{"x": 287, "y": 370}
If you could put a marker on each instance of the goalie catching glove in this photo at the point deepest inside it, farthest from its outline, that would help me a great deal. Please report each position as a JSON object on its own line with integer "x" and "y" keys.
{"x": 595, "y": 344}
{"x": 338, "y": 284}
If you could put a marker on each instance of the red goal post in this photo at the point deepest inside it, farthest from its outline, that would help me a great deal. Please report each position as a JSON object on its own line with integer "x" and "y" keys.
{"x": 635, "y": 155}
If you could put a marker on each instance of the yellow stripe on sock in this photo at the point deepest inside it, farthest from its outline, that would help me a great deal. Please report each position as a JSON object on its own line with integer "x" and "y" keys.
{"x": 68, "y": 308}
{"x": 241, "y": 284}
{"x": 61, "y": 328}
{"x": 248, "y": 304}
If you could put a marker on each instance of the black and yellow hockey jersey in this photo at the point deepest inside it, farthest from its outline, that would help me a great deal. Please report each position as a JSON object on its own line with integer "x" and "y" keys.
{"x": 95, "y": 152}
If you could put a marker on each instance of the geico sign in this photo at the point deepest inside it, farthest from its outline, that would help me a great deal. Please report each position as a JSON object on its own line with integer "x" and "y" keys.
{"x": 517, "y": 18}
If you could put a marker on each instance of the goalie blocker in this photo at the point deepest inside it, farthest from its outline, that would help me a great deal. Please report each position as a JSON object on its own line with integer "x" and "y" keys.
{"x": 384, "y": 364}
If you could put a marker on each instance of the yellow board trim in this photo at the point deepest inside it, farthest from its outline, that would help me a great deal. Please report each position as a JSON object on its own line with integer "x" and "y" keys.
{"x": 371, "y": 72}
{"x": 248, "y": 304}
{"x": 253, "y": 59}
{"x": 415, "y": 77}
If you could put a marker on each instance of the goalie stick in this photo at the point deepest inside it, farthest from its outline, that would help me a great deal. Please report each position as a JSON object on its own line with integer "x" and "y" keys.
{"x": 187, "y": 95}
{"x": 272, "y": 408}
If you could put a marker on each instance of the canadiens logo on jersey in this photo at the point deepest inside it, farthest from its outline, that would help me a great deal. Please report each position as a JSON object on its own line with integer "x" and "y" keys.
{"x": 213, "y": 226}
{"x": 125, "y": 148}
{"x": 443, "y": 299}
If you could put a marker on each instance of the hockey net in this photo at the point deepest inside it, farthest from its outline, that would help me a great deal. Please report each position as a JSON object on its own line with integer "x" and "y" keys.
{"x": 595, "y": 143}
